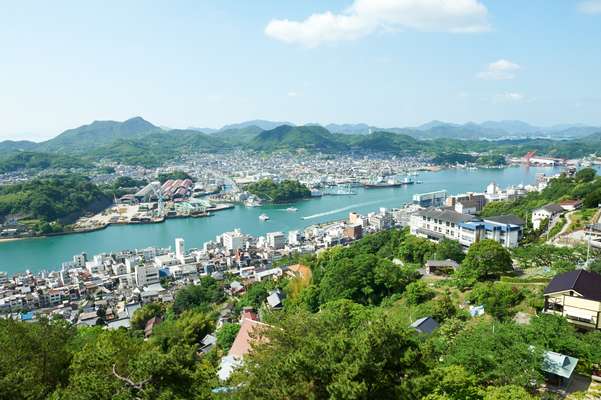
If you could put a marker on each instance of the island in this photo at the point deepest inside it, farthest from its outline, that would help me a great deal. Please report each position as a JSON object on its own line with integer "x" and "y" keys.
{"x": 279, "y": 192}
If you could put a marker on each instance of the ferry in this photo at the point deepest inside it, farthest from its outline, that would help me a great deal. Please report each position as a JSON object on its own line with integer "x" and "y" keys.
{"x": 263, "y": 217}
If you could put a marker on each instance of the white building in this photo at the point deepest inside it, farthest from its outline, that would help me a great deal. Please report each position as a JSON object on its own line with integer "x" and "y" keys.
{"x": 276, "y": 240}
{"x": 233, "y": 241}
{"x": 80, "y": 260}
{"x": 436, "y": 224}
{"x": 146, "y": 274}
{"x": 548, "y": 212}
{"x": 293, "y": 238}
{"x": 180, "y": 249}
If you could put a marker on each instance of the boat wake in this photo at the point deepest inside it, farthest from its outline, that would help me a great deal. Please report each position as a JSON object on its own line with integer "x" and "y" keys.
{"x": 336, "y": 211}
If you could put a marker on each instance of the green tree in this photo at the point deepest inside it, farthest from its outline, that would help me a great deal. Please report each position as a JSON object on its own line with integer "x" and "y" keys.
{"x": 449, "y": 249}
{"x": 415, "y": 249}
{"x": 586, "y": 175}
{"x": 497, "y": 298}
{"x": 359, "y": 357}
{"x": 226, "y": 336}
{"x": 202, "y": 295}
{"x": 145, "y": 313}
{"x": 34, "y": 357}
{"x": 485, "y": 259}
{"x": 507, "y": 392}
{"x": 418, "y": 292}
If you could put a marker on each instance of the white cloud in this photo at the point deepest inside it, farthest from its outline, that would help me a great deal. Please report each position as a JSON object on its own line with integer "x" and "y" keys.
{"x": 509, "y": 97}
{"x": 364, "y": 17}
{"x": 590, "y": 7}
{"x": 292, "y": 94}
{"x": 499, "y": 70}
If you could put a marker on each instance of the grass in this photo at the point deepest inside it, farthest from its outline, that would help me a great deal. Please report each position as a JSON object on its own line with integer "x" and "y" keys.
{"x": 581, "y": 218}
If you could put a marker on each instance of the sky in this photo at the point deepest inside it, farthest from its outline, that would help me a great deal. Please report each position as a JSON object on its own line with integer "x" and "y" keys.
{"x": 388, "y": 63}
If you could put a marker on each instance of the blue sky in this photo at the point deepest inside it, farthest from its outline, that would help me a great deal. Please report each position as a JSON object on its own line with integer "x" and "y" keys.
{"x": 382, "y": 62}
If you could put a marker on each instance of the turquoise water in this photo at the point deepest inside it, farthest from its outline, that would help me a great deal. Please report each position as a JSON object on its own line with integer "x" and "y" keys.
{"x": 48, "y": 253}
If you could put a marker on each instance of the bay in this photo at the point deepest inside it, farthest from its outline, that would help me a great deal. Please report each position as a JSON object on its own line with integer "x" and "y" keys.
{"x": 48, "y": 253}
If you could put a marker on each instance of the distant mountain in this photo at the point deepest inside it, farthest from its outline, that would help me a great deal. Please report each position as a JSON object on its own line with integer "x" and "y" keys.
{"x": 510, "y": 127}
{"x": 286, "y": 137}
{"x": 238, "y": 135}
{"x": 350, "y": 129}
{"x": 97, "y": 134}
{"x": 435, "y": 124}
{"x": 207, "y": 131}
{"x": 263, "y": 124}
{"x": 8, "y": 146}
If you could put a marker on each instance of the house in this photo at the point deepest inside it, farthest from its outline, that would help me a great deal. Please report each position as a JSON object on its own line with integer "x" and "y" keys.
{"x": 425, "y": 325}
{"x": 558, "y": 368}
{"x": 570, "y": 205}
{"x": 439, "y": 267}
{"x": 548, "y": 212}
{"x": 576, "y": 295}
{"x": 208, "y": 343}
{"x": 275, "y": 299}
{"x": 249, "y": 331}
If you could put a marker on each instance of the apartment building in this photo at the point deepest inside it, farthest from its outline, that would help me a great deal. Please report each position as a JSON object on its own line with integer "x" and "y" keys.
{"x": 436, "y": 224}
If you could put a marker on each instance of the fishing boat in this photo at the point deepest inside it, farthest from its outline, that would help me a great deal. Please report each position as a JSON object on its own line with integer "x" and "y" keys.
{"x": 263, "y": 217}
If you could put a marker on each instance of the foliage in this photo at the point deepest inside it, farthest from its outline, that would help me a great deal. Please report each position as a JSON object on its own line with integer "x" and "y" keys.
{"x": 545, "y": 255}
{"x": 278, "y": 192}
{"x": 226, "y": 336}
{"x": 148, "y": 311}
{"x": 415, "y": 249}
{"x": 34, "y": 358}
{"x": 359, "y": 355}
{"x": 585, "y": 175}
{"x": 498, "y": 298}
{"x": 202, "y": 295}
{"x": 164, "y": 177}
{"x": 255, "y": 294}
{"x": 418, "y": 292}
{"x": 40, "y": 161}
{"x": 485, "y": 259}
{"x": 60, "y": 197}
{"x": 449, "y": 249}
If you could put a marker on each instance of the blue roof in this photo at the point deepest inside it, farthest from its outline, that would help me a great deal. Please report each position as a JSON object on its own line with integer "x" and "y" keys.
{"x": 28, "y": 316}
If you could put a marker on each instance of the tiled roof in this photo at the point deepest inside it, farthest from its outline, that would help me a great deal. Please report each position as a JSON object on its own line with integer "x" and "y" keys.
{"x": 587, "y": 284}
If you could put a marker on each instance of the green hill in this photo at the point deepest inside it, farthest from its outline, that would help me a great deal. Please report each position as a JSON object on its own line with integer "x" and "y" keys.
{"x": 97, "y": 134}
{"x": 39, "y": 161}
{"x": 308, "y": 137}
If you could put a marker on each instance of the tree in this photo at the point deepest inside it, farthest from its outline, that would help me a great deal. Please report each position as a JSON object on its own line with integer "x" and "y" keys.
{"x": 359, "y": 355}
{"x": 201, "y": 295}
{"x": 507, "y": 392}
{"x": 418, "y": 292}
{"x": 586, "y": 175}
{"x": 484, "y": 259}
{"x": 34, "y": 357}
{"x": 226, "y": 336}
{"x": 497, "y": 298}
{"x": 449, "y": 249}
{"x": 592, "y": 199}
{"x": 145, "y": 313}
{"x": 415, "y": 249}
{"x": 496, "y": 353}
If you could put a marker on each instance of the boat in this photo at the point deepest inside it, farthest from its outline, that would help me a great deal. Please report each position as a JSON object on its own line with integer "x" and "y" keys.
{"x": 292, "y": 209}
{"x": 263, "y": 217}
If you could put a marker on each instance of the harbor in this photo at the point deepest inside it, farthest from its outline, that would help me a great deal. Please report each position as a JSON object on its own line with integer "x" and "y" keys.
{"x": 49, "y": 252}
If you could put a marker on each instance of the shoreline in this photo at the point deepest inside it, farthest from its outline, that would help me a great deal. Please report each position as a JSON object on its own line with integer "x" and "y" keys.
{"x": 101, "y": 227}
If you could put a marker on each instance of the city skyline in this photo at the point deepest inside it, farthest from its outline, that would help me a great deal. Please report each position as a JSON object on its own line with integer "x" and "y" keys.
{"x": 384, "y": 63}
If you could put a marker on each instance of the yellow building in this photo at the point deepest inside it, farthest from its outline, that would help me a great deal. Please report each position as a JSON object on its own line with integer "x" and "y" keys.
{"x": 576, "y": 295}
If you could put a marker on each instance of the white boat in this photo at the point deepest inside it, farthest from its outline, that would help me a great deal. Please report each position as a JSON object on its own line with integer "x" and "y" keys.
{"x": 292, "y": 209}
{"x": 263, "y": 217}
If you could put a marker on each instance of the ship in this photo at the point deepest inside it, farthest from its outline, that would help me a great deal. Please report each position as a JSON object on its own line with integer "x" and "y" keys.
{"x": 263, "y": 217}
{"x": 292, "y": 209}
{"x": 388, "y": 183}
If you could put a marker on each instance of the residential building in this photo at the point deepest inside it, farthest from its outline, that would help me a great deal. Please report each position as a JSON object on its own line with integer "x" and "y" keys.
{"x": 180, "y": 249}
{"x": 436, "y": 224}
{"x": 276, "y": 240}
{"x": 146, "y": 274}
{"x": 430, "y": 199}
{"x": 576, "y": 295}
{"x": 233, "y": 241}
{"x": 546, "y": 213}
